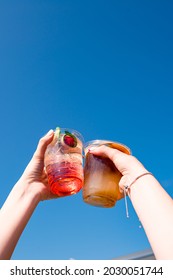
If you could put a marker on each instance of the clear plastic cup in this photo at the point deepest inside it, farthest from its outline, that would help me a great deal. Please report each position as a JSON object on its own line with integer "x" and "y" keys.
{"x": 101, "y": 177}
{"x": 64, "y": 162}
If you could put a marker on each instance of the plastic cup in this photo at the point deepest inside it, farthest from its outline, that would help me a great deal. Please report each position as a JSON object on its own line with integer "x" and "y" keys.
{"x": 64, "y": 162}
{"x": 101, "y": 177}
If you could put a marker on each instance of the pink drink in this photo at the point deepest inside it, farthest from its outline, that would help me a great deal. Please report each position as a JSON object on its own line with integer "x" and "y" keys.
{"x": 64, "y": 163}
{"x": 64, "y": 179}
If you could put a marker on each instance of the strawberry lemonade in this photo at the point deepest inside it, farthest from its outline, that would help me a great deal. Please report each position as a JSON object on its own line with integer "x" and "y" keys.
{"x": 64, "y": 162}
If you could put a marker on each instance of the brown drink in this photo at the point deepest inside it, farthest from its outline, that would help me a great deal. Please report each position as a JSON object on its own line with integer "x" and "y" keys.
{"x": 101, "y": 177}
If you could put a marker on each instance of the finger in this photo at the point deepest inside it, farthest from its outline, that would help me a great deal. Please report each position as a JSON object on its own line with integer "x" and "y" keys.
{"x": 106, "y": 151}
{"x": 43, "y": 143}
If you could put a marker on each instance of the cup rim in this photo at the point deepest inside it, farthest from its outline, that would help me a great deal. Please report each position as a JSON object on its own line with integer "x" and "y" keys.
{"x": 99, "y": 142}
{"x": 71, "y": 130}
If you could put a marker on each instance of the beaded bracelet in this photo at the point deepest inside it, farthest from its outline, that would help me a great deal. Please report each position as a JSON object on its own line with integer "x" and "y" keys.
{"x": 127, "y": 187}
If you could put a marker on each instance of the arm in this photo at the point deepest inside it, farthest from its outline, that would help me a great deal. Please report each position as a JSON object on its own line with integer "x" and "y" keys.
{"x": 151, "y": 202}
{"x": 155, "y": 211}
{"x": 26, "y": 194}
{"x": 14, "y": 216}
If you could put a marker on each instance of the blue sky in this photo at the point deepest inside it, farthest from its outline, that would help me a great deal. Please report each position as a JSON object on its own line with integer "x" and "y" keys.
{"x": 103, "y": 68}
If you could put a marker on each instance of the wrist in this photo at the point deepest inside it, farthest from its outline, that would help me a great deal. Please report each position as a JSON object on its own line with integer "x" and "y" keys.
{"x": 128, "y": 187}
{"x": 136, "y": 168}
{"x": 129, "y": 177}
{"x": 24, "y": 190}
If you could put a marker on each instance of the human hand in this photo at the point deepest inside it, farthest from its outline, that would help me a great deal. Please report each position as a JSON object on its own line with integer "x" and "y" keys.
{"x": 34, "y": 175}
{"x": 129, "y": 166}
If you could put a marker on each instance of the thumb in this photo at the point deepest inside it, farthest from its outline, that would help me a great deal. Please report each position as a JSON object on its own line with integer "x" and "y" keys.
{"x": 43, "y": 143}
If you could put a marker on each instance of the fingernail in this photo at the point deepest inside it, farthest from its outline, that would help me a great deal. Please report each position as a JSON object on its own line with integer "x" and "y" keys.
{"x": 91, "y": 149}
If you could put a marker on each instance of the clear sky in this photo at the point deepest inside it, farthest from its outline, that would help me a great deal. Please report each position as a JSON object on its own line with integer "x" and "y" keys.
{"x": 105, "y": 69}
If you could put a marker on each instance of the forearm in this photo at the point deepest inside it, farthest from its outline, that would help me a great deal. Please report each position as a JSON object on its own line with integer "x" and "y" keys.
{"x": 155, "y": 211}
{"x": 14, "y": 216}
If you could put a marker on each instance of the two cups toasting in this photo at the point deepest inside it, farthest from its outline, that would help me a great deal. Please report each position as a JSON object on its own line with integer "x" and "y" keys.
{"x": 70, "y": 167}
